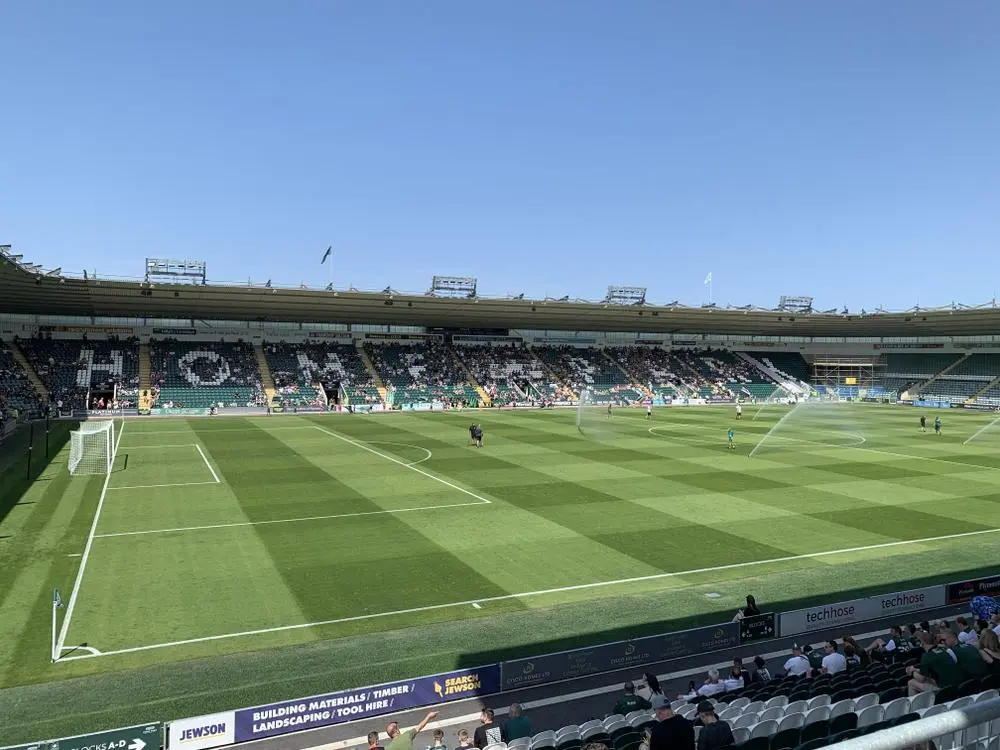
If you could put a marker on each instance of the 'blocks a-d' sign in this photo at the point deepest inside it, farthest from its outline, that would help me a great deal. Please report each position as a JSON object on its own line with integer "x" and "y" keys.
{"x": 140, "y": 737}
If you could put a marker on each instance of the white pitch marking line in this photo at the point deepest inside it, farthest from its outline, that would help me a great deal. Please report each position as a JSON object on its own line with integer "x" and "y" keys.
{"x": 143, "y": 447}
{"x": 282, "y": 520}
{"x": 543, "y": 592}
{"x": 155, "y": 486}
{"x": 205, "y": 459}
{"x": 75, "y": 554}
{"x": 781, "y": 437}
{"x": 85, "y": 555}
{"x": 411, "y": 467}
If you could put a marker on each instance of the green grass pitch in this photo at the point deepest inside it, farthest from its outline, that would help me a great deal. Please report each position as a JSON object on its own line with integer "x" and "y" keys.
{"x": 240, "y": 560}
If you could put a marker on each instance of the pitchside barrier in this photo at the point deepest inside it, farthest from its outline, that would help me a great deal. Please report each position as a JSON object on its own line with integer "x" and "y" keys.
{"x": 275, "y": 719}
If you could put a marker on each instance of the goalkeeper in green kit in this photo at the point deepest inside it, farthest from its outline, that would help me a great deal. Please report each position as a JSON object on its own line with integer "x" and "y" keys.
{"x": 731, "y": 435}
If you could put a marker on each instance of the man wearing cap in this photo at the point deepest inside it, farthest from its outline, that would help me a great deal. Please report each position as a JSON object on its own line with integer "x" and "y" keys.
{"x": 672, "y": 732}
{"x": 631, "y": 702}
{"x": 798, "y": 664}
{"x": 715, "y": 733}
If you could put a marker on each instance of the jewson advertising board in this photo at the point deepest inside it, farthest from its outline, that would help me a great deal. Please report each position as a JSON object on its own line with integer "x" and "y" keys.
{"x": 349, "y": 705}
{"x": 201, "y": 732}
{"x": 840, "y": 614}
{"x": 567, "y": 665}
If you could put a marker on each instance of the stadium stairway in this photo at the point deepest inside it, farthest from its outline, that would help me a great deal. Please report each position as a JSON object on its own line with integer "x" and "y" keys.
{"x": 550, "y": 372}
{"x": 266, "y": 379}
{"x": 145, "y": 368}
{"x": 945, "y": 371}
{"x": 36, "y": 381}
{"x": 480, "y": 391}
{"x": 383, "y": 392}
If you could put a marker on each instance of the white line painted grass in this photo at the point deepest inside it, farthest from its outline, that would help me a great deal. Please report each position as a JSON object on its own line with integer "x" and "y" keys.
{"x": 155, "y": 486}
{"x": 531, "y": 594}
{"x": 205, "y": 459}
{"x": 283, "y": 520}
{"x": 395, "y": 460}
{"x": 71, "y": 606}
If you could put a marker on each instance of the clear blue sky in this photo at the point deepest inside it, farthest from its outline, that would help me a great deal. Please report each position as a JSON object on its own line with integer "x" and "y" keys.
{"x": 849, "y": 150}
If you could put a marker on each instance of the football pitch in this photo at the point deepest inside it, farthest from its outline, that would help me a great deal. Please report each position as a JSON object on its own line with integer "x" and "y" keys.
{"x": 227, "y": 560}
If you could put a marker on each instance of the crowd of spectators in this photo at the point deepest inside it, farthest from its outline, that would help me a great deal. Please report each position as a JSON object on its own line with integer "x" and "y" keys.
{"x": 17, "y": 392}
{"x": 421, "y": 371}
{"x": 71, "y": 368}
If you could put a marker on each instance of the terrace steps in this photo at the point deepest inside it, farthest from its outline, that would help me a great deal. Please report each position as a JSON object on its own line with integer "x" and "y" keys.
{"x": 266, "y": 379}
{"x": 483, "y": 398}
{"x": 383, "y": 392}
{"x": 36, "y": 381}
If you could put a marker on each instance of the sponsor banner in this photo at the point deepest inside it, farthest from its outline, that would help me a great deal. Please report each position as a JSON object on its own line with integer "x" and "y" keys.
{"x": 564, "y": 340}
{"x": 405, "y": 336}
{"x": 175, "y": 331}
{"x": 486, "y": 339}
{"x": 965, "y": 591}
{"x": 110, "y": 330}
{"x": 980, "y": 407}
{"x": 567, "y": 665}
{"x": 933, "y": 404}
{"x": 349, "y": 705}
{"x": 201, "y": 732}
{"x": 277, "y": 408}
{"x": 178, "y": 411}
{"x": 300, "y": 409}
{"x": 907, "y": 346}
{"x": 829, "y": 616}
{"x": 648, "y": 342}
{"x": 758, "y": 628}
{"x": 689, "y": 343}
{"x": 339, "y": 335}
{"x": 127, "y": 738}
{"x": 145, "y": 412}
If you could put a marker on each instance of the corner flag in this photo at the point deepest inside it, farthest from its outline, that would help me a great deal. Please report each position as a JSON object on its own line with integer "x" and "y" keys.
{"x": 56, "y": 599}
{"x": 327, "y": 254}
{"x": 708, "y": 279}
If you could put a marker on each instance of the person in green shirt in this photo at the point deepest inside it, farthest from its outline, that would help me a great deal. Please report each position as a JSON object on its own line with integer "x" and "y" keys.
{"x": 517, "y": 725}
{"x": 631, "y": 702}
{"x": 938, "y": 668}
{"x": 401, "y": 740}
{"x": 731, "y": 435}
{"x": 970, "y": 661}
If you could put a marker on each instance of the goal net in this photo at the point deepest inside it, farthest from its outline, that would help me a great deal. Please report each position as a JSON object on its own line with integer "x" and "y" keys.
{"x": 92, "y": 448}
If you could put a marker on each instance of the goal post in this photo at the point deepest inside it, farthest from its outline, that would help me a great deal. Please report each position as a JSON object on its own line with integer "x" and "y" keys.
{"x": 92, "y": 448}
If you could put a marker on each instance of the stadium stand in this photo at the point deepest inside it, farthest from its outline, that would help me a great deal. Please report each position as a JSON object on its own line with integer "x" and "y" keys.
{"x": 201, "y": 374}
{"x": 421, "y": 373}
{"x": 72, "y": 368}
{"x": 17, "y": 392}
{"x": 917, "y": 365}
{"x": 588, "y": 368}
{"x": 301, "y": 371}
{"x": 790, "y": 364}
{"x": 509, "y": 373}
{"x": 657, "y": 369}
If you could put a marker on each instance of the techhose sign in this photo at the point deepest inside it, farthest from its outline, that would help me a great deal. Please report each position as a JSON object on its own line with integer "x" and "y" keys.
{"x": 828, "y": 616}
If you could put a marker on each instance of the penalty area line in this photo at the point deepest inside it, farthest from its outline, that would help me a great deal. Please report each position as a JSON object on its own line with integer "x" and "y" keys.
{"x": 529, "y": 594}
{"x": 205, "y": 459}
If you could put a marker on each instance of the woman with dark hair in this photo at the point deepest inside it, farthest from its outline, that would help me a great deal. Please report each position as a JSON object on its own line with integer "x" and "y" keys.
{"x": 750, "y": 610}
{"x": 649, "y": 685}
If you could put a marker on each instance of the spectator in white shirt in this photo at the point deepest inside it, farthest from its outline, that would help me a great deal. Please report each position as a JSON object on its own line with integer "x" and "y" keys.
{"x": 713, "y": 685}
{"x": 965, "y": 632}
{"x": 798, "y": 665}
{"x": 834, "y": 662}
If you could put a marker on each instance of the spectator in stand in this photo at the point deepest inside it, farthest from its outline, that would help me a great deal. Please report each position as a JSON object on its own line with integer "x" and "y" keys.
{"x": 464, "y": 740}
{"x": 671, "y": 732}
{"x": 517, "y": 724}
{"x": 404, "y": 740}
{"x": 715, "y": 733}
{"x": 834, "y": 662}
{"x": 650, "y": 685}
{"x": 631, "y": 702}
{"x": 712, "y": 686}
{"x": 798, "y": 664}
{"x": 938, "y": 668}
{"x": 884, "y": 649}
{"x": 373, "y": 743}
{"x": 983, "y": 607}
{"x": 750, "y": 610}
{"x": 965, "y": 632}
{"x": 989, "y": 649}
{"x": 862, "y": 655}
{"x": 761, "y": 673}
{"x": 438, "y": 741}
{"x": 851, "y": 657}
{"x": 969, "y": 660}
{"x": 487, "y": 733}
{"x": 646, "y": 734}
{"x": 737, "y": 678}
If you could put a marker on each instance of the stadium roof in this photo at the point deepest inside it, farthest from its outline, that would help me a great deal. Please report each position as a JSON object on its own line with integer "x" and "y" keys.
{"x": 27, "y": 289}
